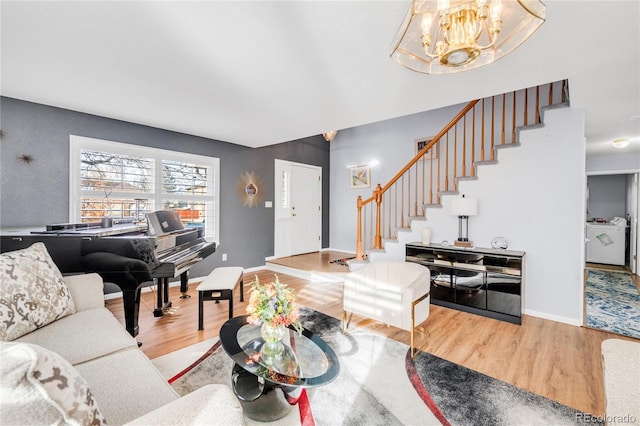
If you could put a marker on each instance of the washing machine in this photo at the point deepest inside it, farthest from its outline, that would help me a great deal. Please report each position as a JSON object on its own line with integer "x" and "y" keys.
{"x": 606, "y": 243}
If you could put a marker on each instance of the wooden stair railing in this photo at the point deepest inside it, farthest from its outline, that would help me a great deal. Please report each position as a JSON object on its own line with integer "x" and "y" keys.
{"x": 452, "y": 154}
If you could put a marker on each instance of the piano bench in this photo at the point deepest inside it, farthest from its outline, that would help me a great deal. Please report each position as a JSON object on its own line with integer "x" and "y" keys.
{"x": 219, "y": 285}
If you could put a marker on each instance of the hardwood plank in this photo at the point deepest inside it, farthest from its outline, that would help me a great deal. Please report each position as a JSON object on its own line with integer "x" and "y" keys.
{"x": 318, "y": 261}
{"x": 555, "y": 360}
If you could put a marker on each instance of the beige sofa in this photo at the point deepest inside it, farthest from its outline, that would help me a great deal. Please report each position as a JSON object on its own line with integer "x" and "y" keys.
{"x": 90, "y": 355}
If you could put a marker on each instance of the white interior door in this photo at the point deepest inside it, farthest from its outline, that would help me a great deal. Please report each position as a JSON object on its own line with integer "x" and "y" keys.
{"x": 298, "y": 209}
{"x": 634, "y": 261}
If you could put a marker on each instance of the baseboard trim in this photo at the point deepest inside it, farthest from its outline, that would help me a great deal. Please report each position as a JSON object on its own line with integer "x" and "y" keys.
{"x": 350, "y": 251}
{"x": 551, "y": 317}
{"x": 298, "y": 273}
{"x": 314, "y": 276}
{"x": 193, "y": 280}
{"x": 151, "y": 287}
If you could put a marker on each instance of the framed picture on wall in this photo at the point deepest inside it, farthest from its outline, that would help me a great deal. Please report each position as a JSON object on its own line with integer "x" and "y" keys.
{"x": 433, "y": 153}
{"x": 360, "y": 177}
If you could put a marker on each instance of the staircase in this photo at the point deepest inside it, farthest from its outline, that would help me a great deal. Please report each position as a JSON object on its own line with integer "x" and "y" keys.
{"x": 396, "y": 212}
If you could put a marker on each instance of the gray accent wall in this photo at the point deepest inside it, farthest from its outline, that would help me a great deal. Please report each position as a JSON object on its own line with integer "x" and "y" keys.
{"x": 37, "y": 194}
{"x": 607, "y": 196}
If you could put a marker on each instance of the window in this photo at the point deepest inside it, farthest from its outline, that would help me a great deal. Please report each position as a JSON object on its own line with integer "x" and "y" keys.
{"x": 285, "y": 202}
{"x": 126, "y": 181}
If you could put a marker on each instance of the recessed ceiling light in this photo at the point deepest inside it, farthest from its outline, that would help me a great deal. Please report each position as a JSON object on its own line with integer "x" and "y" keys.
{"x": 636, "y": 117}
{"x": 620, "y": 143}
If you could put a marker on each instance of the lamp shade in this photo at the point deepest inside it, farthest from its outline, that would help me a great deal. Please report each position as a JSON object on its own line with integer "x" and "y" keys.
{"x": 464, "y": 206}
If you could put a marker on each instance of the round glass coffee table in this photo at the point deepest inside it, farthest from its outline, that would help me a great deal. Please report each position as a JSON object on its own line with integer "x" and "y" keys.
{"x": 268, "y": 387}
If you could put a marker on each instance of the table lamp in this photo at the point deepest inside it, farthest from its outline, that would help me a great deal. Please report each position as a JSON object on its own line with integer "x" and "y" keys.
{"x": 463, "y": 208}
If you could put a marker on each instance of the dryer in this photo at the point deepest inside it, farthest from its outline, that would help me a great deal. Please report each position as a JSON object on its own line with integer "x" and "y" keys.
{"x": 606, "y": 243}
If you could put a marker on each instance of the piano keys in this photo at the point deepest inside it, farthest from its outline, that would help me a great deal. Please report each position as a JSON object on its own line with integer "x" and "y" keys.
{"x": 123, "y": 254}
{"x": 174, "y": 262}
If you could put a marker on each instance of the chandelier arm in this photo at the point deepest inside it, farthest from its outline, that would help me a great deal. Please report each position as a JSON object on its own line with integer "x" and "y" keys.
{"x": 483, "y": 25}
{"x": 493, "y": 37}
{"x": 432, "y": 56}
{"x": 434, "y": 42}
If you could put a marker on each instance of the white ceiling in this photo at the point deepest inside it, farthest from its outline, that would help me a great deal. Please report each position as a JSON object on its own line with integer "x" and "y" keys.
{"x": 265, "y": 72}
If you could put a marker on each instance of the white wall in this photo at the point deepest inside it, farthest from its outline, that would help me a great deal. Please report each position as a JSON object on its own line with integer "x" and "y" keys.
{"x": 387, "y": 146}
{"x": 534, "y": 198}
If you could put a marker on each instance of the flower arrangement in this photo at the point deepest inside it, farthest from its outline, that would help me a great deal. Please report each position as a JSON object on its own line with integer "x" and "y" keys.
{"x": 273, "y": 304}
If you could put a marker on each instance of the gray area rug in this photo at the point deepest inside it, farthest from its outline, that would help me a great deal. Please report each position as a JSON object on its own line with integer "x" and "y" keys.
{"x": 379, "y": 384}
{"x": 371, "y": 389}
{"x": 468, "y": 398}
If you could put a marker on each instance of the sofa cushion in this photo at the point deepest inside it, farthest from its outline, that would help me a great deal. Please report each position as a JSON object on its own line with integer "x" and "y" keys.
{"x": 208, "y": 405}
{"x": 130, "y": 383}
{"x": 87, "y": 291}
{"x": 83, "y": 336}
{"x": 40, "y": 387}
{"x": 33, "y": 292}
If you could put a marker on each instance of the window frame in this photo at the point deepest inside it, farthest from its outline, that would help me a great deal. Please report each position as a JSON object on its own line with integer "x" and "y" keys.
{"x": 156, "y": 196}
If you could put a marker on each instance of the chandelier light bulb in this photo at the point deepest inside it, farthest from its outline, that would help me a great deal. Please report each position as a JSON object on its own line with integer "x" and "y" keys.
{"x": 496, "y": 10}
{"x": 427, "y": 19}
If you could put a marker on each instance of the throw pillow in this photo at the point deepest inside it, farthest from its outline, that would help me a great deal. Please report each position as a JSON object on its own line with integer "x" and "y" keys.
{"x": 32, "y": 292}
{"x": 40, "y": 387}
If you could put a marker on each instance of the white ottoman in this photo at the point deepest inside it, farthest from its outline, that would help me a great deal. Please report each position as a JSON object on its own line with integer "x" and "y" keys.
{"x": 219, "y": 285}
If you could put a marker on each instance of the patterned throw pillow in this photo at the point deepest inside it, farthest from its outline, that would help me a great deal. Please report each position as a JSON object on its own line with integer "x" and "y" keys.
{"x": 40, "y": 387}
{"x": 32, "y": 292}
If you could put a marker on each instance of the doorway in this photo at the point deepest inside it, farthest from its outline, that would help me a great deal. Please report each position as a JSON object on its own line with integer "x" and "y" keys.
{"x": 612, "y": 212}
{"x": 298, "y": 208}
{"x": 612, "y": 284}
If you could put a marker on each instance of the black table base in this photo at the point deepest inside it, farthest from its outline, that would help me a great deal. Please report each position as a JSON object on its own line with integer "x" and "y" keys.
{"x": 261, "y": 400}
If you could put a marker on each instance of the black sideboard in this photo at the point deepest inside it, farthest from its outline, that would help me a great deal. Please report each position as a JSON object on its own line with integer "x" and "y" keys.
{"x": 481, "y": 281}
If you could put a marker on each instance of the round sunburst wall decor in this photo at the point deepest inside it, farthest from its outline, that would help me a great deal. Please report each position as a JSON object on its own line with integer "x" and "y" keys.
{"x": 249, "y": 189}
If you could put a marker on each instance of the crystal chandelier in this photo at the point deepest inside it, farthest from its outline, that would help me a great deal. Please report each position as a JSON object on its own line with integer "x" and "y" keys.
{"x": 445, "y": 36}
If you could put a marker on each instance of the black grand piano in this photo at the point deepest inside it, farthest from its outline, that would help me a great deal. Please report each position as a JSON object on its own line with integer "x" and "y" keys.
{"x": 126, "y": 254}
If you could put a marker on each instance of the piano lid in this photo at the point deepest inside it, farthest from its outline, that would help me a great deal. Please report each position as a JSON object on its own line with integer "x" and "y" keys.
{"x": 163, "y": 222}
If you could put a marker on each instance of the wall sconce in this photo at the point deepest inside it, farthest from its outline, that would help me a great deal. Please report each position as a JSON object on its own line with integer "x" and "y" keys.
{"x": 463, "y": 208}
{"x": 328, "y": 136}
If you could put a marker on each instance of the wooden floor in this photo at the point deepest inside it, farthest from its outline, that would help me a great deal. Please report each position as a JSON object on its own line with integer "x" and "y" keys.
{"x": 555, "y": 360}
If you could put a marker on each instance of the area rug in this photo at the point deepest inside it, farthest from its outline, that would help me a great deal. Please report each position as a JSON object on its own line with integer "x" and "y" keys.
{"x": 379, "y": 384}
{"x": 371, "y": 389}
{"x": 612, "y": 302}
{"x": 465, "y": 397}
{"x": 342, "y": 261}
